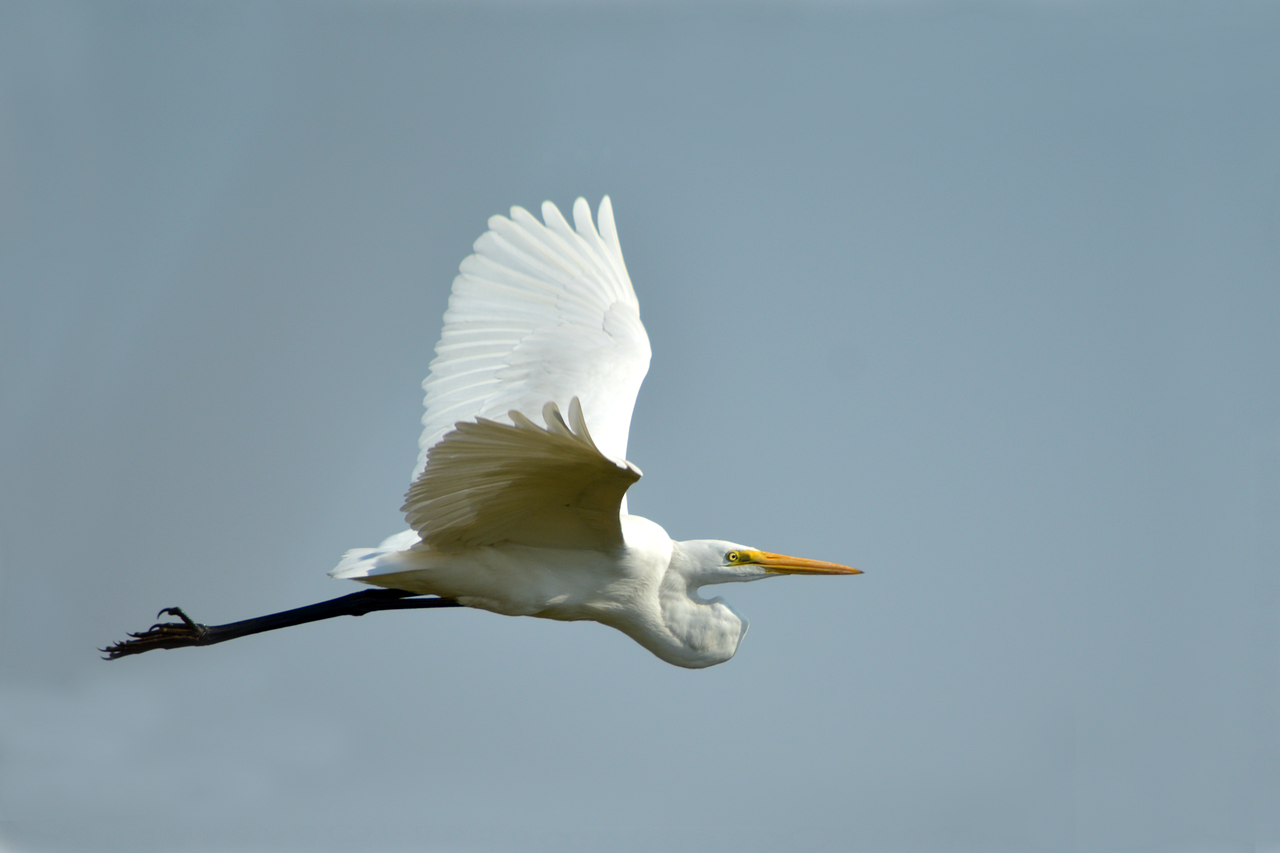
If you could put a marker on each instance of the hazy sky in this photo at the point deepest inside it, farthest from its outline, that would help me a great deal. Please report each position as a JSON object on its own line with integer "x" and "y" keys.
{"x": 982, "y": 298}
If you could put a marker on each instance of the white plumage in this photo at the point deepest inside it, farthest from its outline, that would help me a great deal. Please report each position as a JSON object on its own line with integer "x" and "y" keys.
{"x": 540, "y": 314}
{"x": 521, "y": 519}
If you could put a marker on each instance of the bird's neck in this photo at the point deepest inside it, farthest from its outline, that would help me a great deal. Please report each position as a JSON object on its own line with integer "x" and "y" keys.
{"x": 701, "y": 632}
{"x": 674, "y": 622}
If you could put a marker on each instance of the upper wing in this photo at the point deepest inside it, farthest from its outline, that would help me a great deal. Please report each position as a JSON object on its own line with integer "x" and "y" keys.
{"x": 488, "y": 482}
{"x": 540, "y": 313}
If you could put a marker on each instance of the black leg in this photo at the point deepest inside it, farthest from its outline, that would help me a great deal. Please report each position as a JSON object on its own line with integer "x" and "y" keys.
{"x": 176, "y": 635}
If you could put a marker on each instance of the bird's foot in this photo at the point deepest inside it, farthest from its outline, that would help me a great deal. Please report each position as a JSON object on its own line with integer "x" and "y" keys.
{"x": 162, "y": 635}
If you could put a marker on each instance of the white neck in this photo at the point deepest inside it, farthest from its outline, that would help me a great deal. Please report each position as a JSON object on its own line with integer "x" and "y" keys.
{"x": 676, "y": 624}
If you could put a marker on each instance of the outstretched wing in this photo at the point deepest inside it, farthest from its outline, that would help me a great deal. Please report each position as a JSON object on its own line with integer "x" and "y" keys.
{"x": 487, "y": 483}
{"x": 540, "y": 313}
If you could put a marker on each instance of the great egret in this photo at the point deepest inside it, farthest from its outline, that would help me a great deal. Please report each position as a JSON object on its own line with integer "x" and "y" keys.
{"x": 529, "y": 520}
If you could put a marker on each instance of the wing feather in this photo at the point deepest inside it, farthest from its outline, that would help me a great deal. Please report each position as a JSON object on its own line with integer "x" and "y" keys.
{"x": 487, "y": 483}
{"x": 542, "y": 312}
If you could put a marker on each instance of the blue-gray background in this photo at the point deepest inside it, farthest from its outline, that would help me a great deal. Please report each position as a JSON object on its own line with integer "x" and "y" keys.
{"x": 982, "y": 298}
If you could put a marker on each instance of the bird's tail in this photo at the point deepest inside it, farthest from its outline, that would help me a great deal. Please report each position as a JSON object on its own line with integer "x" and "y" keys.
{"x": 363, "y": 562}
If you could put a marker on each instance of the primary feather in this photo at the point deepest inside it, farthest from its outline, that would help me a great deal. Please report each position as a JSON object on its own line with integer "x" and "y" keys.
{"x": 540, "y": 313}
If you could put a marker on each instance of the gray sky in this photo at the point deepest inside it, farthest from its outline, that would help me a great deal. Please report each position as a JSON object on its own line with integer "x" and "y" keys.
{"x": 980, "y": 298}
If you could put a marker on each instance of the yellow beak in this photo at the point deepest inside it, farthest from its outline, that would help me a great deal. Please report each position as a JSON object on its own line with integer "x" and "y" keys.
{"x": 784, "y": 565}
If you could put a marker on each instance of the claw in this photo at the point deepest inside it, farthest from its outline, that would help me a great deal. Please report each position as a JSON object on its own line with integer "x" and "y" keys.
{"x": 176, "y": 611}
{"x": 162, "y": 635}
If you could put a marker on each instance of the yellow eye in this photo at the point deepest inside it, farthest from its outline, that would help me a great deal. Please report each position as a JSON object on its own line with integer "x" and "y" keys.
{"x": 733, "y": 556}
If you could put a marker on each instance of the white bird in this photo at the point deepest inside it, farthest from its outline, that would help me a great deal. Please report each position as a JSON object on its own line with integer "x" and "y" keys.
{"x": 525, "y": 519}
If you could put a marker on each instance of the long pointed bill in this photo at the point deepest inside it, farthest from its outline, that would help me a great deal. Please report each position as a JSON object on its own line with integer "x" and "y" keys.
{"x": 783, "y": 565}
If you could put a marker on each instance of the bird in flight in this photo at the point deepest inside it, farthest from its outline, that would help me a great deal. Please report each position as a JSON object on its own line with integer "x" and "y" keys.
{"x": 529, "y": 519}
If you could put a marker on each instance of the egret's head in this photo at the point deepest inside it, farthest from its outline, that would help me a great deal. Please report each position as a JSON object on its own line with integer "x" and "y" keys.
{"x": 714, "y": 561}
{"x": 698, "y": 632}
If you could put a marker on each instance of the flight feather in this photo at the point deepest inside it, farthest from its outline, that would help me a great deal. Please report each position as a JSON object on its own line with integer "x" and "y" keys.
{"x": 488, "y": 483}
{"x": 542, "y": 312}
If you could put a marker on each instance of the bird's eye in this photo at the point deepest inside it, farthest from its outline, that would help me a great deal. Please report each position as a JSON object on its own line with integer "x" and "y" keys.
{"x": 733, "y": 556}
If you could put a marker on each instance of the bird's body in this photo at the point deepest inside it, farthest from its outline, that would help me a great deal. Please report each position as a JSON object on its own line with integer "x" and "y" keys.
{"x": 528, "y": 520}
{"x": 525, "y": 519}
{"x": 642, "y": 588}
